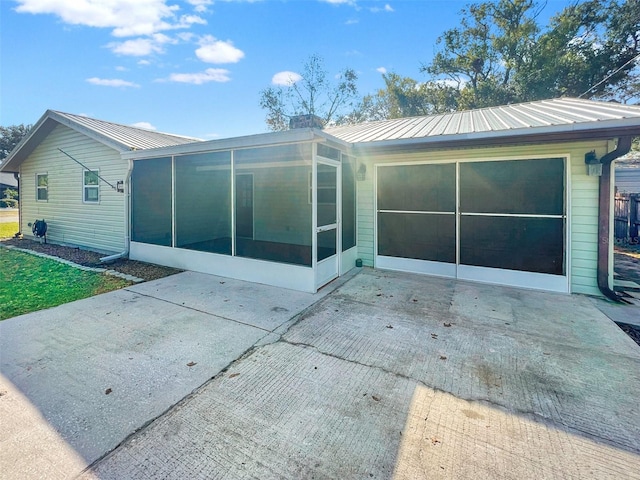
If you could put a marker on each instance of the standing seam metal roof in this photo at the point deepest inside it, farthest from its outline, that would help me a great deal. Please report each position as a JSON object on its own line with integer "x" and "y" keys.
{"x": 532, "y": 115}
{"x": 132, "y": 138}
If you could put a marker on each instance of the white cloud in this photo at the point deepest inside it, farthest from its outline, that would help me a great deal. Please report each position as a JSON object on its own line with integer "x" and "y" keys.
{"x": 120, "y": 68}
{"x": 127, "y": 18}
{"x": 145, "y": 125}
{"x": 200, "y": 6}
{"x": 209, "y": 75}
{"x": 286, "y": 78}
{"x": 144, "y": 62}
{"x": 216, "y": 51}
{"x": 386, "y": 8}
{"x": 141, "y": 47}
{"x": 381, "y": 70}
{"x": 111, "y": 82}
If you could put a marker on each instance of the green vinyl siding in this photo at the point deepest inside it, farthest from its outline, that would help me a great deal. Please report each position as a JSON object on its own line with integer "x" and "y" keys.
{"x": 582, "y": 201}
{"x": 70, "y": 220}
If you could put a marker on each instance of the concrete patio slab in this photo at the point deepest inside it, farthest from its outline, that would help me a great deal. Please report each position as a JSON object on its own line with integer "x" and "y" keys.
{"x": 402, "y": 376}
{"x": 89, "y": 373}
{"x": 261, "y": 306}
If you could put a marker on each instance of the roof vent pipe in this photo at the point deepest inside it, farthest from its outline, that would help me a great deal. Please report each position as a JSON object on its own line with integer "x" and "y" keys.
{"x": 604, "y": 216}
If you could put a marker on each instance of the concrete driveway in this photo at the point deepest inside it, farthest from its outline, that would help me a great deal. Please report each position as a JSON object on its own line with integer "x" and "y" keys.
{"x": 388, "y": 376}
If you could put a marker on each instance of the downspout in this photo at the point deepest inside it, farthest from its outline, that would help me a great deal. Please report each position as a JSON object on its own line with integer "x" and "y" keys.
{"x": 604, "y": 216}
{"x": 127, "y": 225}
{"x": 19, "y": 234}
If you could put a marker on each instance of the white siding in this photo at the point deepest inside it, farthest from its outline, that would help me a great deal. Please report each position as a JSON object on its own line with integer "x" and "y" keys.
{"x": 70, "y": 221}
{"x": 582, "y": 202}
{"x": 628, "y": 179}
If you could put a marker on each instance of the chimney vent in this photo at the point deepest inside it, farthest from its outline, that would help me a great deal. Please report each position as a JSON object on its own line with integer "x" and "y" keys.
{"x": 305, "y": 121}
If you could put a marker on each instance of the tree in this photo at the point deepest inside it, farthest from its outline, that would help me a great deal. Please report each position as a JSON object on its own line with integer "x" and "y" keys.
{"x": 10, "y": 136}
{"x": 590, "y": 50}
{"x": 403, "y": 97}
{"x": 310, "y": 94}
{"x": 500, "y": 54}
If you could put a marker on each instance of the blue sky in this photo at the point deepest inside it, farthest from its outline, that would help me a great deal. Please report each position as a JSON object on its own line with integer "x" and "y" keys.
{"x": 196, "y": 67}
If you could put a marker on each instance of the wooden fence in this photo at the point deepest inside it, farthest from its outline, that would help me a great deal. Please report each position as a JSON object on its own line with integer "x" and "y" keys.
{"x": 627, "y": 218}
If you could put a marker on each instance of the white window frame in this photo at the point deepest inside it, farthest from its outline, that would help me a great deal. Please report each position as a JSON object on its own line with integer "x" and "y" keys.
{"x": 86, "y": 187}
{"x": 45, "y": 188}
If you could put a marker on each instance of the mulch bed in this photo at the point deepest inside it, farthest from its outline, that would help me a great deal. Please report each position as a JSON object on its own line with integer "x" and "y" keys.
{"x": 88, "y": 258}
{"x": 633, "y": 332}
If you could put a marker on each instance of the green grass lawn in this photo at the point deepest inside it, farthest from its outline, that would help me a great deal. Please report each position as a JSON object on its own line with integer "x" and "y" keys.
{"x": 29, "y": 283}
{"x": 8, "y": 230}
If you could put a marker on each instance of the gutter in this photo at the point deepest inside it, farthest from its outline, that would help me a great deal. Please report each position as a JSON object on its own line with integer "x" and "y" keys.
{"x": 604, "y": 216}
{"x": 127, "y": 224}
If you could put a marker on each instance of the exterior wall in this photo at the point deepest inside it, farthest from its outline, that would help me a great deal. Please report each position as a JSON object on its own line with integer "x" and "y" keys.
{"x": 628, "y": 179}
{"x": 97, "y": 226}
{"x": 582, "y": 202}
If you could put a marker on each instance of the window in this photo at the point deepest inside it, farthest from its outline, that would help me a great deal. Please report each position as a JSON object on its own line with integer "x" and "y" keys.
{"x": 42, "y": 187}
{"x": 91, "y": 186}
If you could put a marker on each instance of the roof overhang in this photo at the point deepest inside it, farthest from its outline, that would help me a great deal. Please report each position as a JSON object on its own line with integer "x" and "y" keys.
{"x": 43, "y": 127}
{"x": 550, "y": 134}
{"x": 301, "y": 135}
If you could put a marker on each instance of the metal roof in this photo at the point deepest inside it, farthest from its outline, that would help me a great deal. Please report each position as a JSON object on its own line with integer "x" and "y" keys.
{"x": 540, "y": 117}
{"x": 131, "y": 138}
{"x": 122, "y": 138}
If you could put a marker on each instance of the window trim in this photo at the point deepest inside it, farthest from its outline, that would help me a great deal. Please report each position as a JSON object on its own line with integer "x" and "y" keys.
{"x": 85, "y": 187}
{"x": 39, "y": 187}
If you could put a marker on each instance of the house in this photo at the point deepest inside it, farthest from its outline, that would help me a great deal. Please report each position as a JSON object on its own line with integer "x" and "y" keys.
{"x": 628, "y": 175}
{"x": 7, "y": 181}
{"x": 517, "y": 195}
{"x": 627, "y": 200}
{"x": 71, "y": 169}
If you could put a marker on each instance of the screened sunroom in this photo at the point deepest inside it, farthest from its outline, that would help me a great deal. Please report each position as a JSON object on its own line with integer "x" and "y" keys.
{"x": 278, "y": 209}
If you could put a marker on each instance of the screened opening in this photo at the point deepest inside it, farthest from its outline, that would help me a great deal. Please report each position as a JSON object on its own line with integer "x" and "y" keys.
{"x": 524, "y": 244}
{"x": 203, "y": 202}
{"x": 348, "y": 202}
{"x": 416, "y": 212}
{"x": 426, "y": 188}
{"x": 513, "y": 187}
{"x": 417, "y": 236}
{"x": 512, "y": 215}
{"x": 151, "y": 201}
{"x": 280, "y": 211}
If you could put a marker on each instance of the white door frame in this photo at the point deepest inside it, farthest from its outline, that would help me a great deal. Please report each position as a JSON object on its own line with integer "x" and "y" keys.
{"x": 329, "y": 268}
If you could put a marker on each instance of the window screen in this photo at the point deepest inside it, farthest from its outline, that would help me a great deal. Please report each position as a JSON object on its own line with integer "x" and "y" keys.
{"x": 151, "y": 201}
{"x": 518, "y": 186}
{"x": 513, "y": 243}
{"x": 427, "y": 188}
{"x": 348, "y": 203}
{"x": 417, "y": 236}
{"x": 203, "y": 202}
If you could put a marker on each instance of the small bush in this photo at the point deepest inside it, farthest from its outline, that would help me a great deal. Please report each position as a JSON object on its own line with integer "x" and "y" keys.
{"x": 8, "y": 203}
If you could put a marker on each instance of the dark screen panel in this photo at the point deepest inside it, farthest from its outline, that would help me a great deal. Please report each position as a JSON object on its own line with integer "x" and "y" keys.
{"x": 517, "y": 186}
{"x": 151, "y": 201}
{"x": 348, "y": 203}
{"x": 426, "y": 188}
{"x": 418, "y": 236}
{"x": 513, "y": 243}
